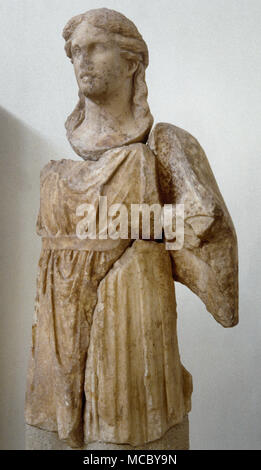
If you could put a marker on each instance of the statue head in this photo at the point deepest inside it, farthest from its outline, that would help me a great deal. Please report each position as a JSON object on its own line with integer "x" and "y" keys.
{"x": 106, "y": 49}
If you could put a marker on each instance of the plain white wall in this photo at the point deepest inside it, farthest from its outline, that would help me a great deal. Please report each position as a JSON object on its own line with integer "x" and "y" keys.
{"x": 204, "y": 76}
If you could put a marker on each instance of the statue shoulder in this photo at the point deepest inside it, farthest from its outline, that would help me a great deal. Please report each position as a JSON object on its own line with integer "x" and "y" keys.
{"x": 165, "y": 137}
{"x": 167, "y": 130}
{"x": 183, "y": 165}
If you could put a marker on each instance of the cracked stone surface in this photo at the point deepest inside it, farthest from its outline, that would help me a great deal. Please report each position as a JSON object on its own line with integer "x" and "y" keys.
{"x": 105, "y": 370}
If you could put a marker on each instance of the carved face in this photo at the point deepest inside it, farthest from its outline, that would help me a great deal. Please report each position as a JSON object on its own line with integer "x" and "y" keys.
{"x": 99, "y": 67}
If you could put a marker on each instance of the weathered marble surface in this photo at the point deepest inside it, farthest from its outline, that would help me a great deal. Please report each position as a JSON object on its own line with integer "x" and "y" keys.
{"x": 109, "y": 57}
{"x": 177, "y": 438}
{"x": 208, "y": 261}
{"x": 105, "y": 365}
{"x": 105, "y": 320}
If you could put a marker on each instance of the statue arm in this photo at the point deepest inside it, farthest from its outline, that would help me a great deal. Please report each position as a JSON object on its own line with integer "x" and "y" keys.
{"x": 208, "y": 262}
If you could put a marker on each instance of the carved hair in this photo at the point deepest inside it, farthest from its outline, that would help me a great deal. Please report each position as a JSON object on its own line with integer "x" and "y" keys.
{"x": 132, "y": 46}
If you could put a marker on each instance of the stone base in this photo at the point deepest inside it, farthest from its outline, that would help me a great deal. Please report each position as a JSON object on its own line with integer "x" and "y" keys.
{"x": 177, "y": 438}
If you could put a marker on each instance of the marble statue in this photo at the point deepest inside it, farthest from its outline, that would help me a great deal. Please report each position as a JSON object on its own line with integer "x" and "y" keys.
{"x": 105, "y": 366}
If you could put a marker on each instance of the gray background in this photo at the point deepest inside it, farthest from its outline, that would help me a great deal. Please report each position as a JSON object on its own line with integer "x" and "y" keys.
{"x": 204, "y": 76}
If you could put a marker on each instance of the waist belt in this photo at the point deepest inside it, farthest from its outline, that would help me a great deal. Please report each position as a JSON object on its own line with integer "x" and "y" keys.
{"x": 75, "y": 243}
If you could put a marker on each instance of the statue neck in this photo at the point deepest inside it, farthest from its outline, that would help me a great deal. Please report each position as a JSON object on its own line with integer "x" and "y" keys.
{"x": 108, "y": 123}
{"x": 109, "y": 116}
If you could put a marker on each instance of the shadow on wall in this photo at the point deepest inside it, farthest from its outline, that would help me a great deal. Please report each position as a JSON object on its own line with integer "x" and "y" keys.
{"x": 23, "y": 152}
